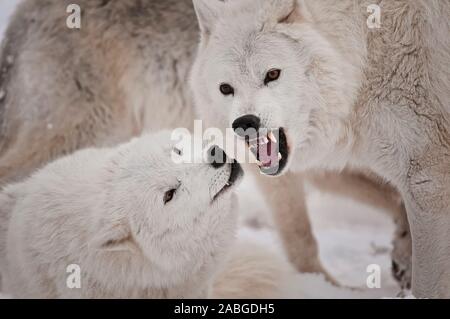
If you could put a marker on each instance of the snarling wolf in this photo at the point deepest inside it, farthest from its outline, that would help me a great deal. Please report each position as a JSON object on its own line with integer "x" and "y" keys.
{"x": 343, "y": 95}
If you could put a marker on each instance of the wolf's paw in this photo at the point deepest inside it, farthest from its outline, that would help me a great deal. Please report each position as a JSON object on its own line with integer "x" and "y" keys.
{"x": 402, "y": 273}
{"x": 401, "y": 256}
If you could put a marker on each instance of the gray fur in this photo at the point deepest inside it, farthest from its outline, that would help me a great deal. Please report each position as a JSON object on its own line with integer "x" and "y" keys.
{"x": 70, "y": 89}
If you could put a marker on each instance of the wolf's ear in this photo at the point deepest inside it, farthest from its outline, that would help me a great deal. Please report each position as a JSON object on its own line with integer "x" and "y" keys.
{"x": 282, "y": 11}
{"x": 207, "y": 14}
{"x": 113, "y": 237}
{"x": 295, "y": 14}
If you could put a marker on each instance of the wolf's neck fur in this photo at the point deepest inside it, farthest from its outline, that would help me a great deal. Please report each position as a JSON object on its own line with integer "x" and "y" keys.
{"x": 403, "y": 96}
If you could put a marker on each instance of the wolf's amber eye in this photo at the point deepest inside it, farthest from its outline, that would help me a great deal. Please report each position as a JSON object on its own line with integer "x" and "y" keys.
{"x": 168, "y": 196}
{"x": 226, "y": 89}
{"x": 272, "y": 75}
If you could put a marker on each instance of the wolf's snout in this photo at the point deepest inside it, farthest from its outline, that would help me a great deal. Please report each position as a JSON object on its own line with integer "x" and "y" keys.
{"x": 216, "y": 157}
{"x": 247, "y": 124}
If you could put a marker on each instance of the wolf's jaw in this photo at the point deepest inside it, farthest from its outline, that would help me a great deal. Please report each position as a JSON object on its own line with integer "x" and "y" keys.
{"x": 235, "y": 175}
{"x": 271, "y": 151}
{"x": 269, "y": 143}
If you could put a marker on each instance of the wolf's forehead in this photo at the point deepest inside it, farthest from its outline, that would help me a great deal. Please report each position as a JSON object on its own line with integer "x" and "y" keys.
{"x": 232, "y": 57}
{"x": 252, "y": 50}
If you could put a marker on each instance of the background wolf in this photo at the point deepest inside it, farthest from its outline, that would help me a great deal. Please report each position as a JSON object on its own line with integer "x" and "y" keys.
{"x": 125, "y": 71}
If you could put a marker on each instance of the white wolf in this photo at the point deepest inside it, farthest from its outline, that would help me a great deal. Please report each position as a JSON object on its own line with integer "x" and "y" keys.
{"x": 137, "y": 224}
{"x": 342, "y": 95}
{"x": 124, "y": 72}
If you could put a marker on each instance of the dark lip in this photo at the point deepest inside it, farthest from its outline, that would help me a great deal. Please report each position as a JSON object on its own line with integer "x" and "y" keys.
{"x": 284, "y": 150}
{"x": 235, "y": 176}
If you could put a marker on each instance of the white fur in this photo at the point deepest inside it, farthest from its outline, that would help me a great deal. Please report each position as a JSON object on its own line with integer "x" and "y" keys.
{"x": 103, "y": 210}
{"x": 310, "y": 100}
{"x": 347, "y": 96}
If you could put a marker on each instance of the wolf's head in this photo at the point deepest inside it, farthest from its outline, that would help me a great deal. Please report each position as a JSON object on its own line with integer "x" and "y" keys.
{"x": 177, "y": 216}
{"x": 262, "y": 65}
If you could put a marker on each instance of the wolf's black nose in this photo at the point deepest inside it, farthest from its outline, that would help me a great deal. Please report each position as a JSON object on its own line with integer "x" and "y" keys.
{"x": 247, "y": 125}
{"x": 216, "y": 157}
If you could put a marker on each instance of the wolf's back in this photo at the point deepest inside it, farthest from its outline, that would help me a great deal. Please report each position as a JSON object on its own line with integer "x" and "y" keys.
{"x": 66, "y": 89}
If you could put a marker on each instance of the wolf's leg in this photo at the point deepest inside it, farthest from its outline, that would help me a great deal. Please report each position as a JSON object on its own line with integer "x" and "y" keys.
{"x": 431, "y": 252}
{"x": 401, "y": 254}
{"x": 286, "y": 198}
{"x": 427, "y": 199}
{"x": 361, "y": 187}
{"x": 371, "y": 190}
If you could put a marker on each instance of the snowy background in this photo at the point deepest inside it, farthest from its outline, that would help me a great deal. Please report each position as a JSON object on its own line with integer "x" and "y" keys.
{"x": 351, "y": 236}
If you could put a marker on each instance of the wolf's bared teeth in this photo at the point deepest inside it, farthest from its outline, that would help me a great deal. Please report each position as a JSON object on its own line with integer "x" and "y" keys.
{"x": 264, "y": 140}
{"x": 259, "y": 163}
{"x": 272, "y": 137}
{"x": 280, "y": 157}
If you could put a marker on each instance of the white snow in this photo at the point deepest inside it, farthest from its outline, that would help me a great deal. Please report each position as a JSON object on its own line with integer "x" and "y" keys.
{"x": 351, "y": 236}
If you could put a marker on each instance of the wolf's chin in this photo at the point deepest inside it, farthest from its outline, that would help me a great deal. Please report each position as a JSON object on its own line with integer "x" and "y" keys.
{"x": 236, "y": 174}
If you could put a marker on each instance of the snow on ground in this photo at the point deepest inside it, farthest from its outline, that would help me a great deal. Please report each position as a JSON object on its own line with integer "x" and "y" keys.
{"x": 351, "y": 236}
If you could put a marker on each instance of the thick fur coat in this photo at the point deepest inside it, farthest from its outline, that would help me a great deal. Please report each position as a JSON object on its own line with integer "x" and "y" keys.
{"x": 126, "y": 72}
{"x": 348, "y": 96}
{"x": 107, "y": 211}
